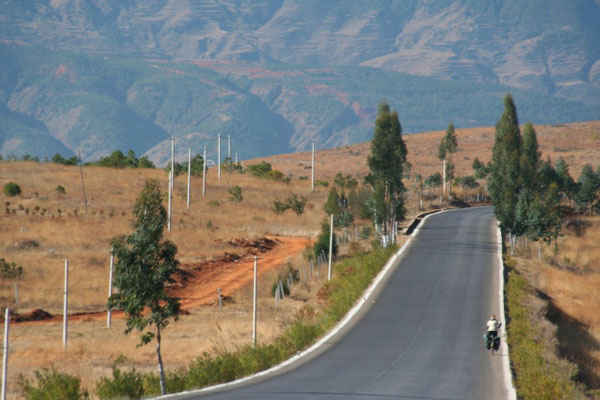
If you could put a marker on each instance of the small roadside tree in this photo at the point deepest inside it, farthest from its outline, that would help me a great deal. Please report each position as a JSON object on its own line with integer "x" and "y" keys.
{"x": 145, "y": 265}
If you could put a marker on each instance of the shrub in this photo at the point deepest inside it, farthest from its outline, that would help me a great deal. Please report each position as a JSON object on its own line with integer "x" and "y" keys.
{"x": 122, "y": 385}
{"x": 289, "y": 272}
{"x": 322, "y": 243}
{"x": 275, "y": 175}
{"x": 293, "y": 201}
{"x": 10, "y": 270}
{"x": 343, "y": 219}
{"x": 214, "y": 203}
{"x": 286, "y": 288}
{"x": 61, "y": 189}
{"x": 319, "y": 182}
{"x": 58, "y": 159}
{"x": 52, "y": 385}
{"x": 365, "y": 232}
{"x": 261, "y": 169}
{"x": 12, "y": 189}
{"x": 296, "y": 203}
{"x": 345, "y": 181}
{"x": 279, "y": 207}
{"x": 235, "y": 194}
{"x": 175, "y": 382}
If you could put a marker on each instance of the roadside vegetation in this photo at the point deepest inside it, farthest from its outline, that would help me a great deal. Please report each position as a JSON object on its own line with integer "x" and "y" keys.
{"x": 539, "y": 372}
{"x": 553, "y": 345}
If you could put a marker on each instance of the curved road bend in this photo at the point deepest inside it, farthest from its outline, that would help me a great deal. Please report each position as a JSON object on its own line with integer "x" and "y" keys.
{"x": 421, "y": 338}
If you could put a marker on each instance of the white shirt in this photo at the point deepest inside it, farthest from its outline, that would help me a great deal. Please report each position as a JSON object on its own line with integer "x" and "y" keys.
{"x": 493, "y": 325}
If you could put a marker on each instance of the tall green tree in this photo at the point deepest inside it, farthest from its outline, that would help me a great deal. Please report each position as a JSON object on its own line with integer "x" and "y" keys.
{"x": 145, "y": 266}
{"x": 504, "y": 182}
{"x": 387, "y": 163}
{"x": 530, "y": 157}
{"x": 588, "y": 185}
{"x": 545, "y": 218}
{"x": 566, "y": 183}
{"x": 448, "y": 146}
{"x": 332, "y": 205}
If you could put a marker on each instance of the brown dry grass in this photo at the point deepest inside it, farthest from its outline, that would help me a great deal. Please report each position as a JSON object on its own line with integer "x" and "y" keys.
{"x": 578, "y": 143}
{"x": 84, "y": 237}
{"x": 36, "y": 235}
{"x": 570, "y": 279}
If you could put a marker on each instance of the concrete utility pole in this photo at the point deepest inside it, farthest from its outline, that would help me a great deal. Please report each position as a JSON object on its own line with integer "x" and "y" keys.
{"x": 219, "y": 154}
{"x": 329, "y": 274}
{"x": 444, "y": 178}
{"x": 236, "y": 160}
{"x": 110, "y": 287}
{"x": 5, "y": 354}
{"x": 171, "y": 182}
{"x": 254, "y": 304}
{"x": 66, "y": 305}
{"x": 82, "y": 182}
{"x": 204, "y": 174}
{"x": 189, "y": 176}
{"x": 312, "y": 170}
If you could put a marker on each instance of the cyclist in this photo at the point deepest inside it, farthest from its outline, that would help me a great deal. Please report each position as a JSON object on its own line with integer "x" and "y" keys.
{"x": 492, "y": 330}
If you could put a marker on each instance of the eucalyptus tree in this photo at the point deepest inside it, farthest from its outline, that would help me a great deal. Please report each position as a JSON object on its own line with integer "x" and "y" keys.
{"x": 387, "y": 163}
{"x": 145, "y": 265}
{"x": 504, "y": 182}
{"x": 448, "y": 146}
{"x": 530, "y": 157}
{"x": 566, "y": 183}
{"x": 588, "y": 186}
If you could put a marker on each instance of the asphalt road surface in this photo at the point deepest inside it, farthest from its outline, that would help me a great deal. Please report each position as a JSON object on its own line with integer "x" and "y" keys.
{"x": 421, "y": 336}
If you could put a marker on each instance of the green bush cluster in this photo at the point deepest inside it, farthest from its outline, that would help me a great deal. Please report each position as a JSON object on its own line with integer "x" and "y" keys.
{"x": 119, "y": 160}
{"x": 292, "y": 202}
{"x": 536, "y": 377}
{"x": 51, "y": 385}
{"x": 59, "y": 159}
{"x": 129, "y": 384}
{"x": 235, "y": 194}
{"x": 11, "y": 189}
{"x": 10, "y": 270}
{"x": 265, "y": 170}
{"x": 345, "y": 181}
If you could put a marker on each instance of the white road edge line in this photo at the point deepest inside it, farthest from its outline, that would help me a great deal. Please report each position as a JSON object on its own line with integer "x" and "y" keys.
{"x": 353, "y": 311}
{"x": 508, "y": 381}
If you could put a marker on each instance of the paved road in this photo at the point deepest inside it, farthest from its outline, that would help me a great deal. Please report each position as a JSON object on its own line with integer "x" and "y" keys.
{"x": 421, "y": 338}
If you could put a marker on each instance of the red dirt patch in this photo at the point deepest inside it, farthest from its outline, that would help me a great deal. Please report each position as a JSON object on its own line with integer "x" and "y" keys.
{"x": 199, "y": 283}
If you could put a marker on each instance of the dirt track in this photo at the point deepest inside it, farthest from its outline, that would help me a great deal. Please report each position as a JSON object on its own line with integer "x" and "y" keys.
{"x": 202, "y": 287}
{"x": 203, "y": 280}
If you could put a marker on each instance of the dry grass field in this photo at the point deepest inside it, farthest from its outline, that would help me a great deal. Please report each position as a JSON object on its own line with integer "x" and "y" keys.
{"x": 570, "y": 278}
{"x": 42, "y": 227}
{"x": 578, "y": 143}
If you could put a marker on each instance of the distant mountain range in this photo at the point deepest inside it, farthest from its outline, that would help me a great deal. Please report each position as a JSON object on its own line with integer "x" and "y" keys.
{"x": 98, "y": 75}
